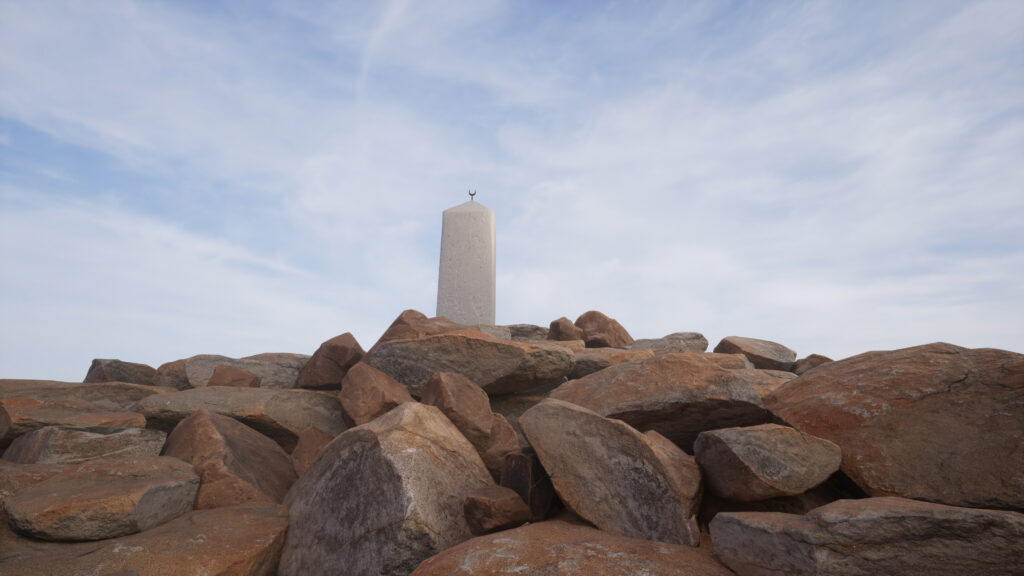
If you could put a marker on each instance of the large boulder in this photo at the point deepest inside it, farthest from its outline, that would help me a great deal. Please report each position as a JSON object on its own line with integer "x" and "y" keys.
{"x": 275, "y": 369}
{"x": 327, "y": 367}
{"x": 493, "y": 508}
{"x": 237, "y": 541}
{"x": 104, "y": 498}
{"x": 938, "y": 422}
{"x": 412, "y": 324}
{"x": 891, "y": 536}
{"x": 600, "y": 331}
{"x": 810, "y": 362}
{"x": 497, "y": 366}
{"x": 674, "y": 342}
{"x": 53, "y": 444}
{"x": 279, "y": 414}
{"x": 464, "y": 403}
{"x": 763, "y": 354}
{"x": 527, "y": 332}
{"x": 563, "y": 330}
{"x": 367, "y": 393}
{"x": 761, "y": 462}
{"x": 622, "y": 481}
{"x": 591, "y": 360}
{"x": 103, "y": 370}
{"x": 311, "y": 442}
{"x": 98, "y": 396}
{"x": 228, "y": 375}
{"x": 235, "y": 463}
{"x": 677, "y": 395}
{"x": 15, "y": 476}
{"x": 562, "y": 548}
{"x": 382, "y": 497}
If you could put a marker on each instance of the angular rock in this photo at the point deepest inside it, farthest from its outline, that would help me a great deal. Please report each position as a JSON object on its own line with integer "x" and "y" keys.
{"x": 620, "y": 480}
{"x": 237, "y": 541}
{"x": 764, "y": 382}
{"x": 55, "y": 445}
{"x": 564, "y": 330}
{"x": 235, "y": 463}
{"x": 103, "y": 370}
{"x": 104, "y": 498}
{"x": 275, "y": 370}
{"x": 279, "y": 414}
{"x": 813, "y": 361}
{"x": 561, "y": 548}
{"x": 464, "y": 403}
{"x": 730, "y": 361}
{"x": 527, "y": 332}
{"x": 412, "y": 324}
{"x": 591, "y": 360}
{"x": 524, "y": 474}
{"x": 600, "y": 331}
{"x": 227, "y": 375}
{"x": 311, "y": 442}
{"x": 19, "y": 416}
{"x": 837, "y": 487}
{"x": 677, "y": 395}
{"x": 938, "y": 422}
{"x": 497, "y": 366}
{"x": 501, "y": 441}
{"x": 674, "y": 342}
{"x": 763, "y": 354}
{"x": 765, "y": 461}
{"x": 367, "y": 393}
{"x": 97, "y": 396}
{"x": 499, "y": 332}
{"x": 404, "y": 477}
{"x": 332, "y": 360}
{"x": 494, "y": 508}
{"x": 891, "y": 536}
{"x": 512, "y": 406}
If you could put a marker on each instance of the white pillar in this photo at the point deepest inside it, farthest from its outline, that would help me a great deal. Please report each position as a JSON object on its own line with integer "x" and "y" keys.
{"x": 465, "y": 281}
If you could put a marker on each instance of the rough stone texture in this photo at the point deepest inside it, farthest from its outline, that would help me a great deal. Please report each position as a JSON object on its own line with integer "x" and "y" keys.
{"x": 99, "y": 396}
{"x": 761, "y": 462}
{"x": 403, "y": 477}
{"x": 764, "y": 382}
{"x": 276, "y": 370}
{"x": 15, "y": 476}
{"x": 279, "y": 414}
{"x": 678, "y": 395}
{"x": 499, "y": 332}
{"x": 512, "y": 406}
{"x": 890, "y": 536}
{"x": 20, "y": 416}
{"x": 561, "y": 548}
{"x": 494, "y": 508}
{"x": 311, "y": 442}
{"x": 730, "y": 361}
{"x": 367, "y": 393}
{"x": 564, "y": 330}
{"x": 622, "y": 481}
{"x": 104, "y": 498}
{"x": 813, "y": 361}
{"x": 524, "y": 474}
{"x": 464, "y": 403}
{"x": 527, "y": 332}
{"x": 674, "y": 342}
{"x": 412, "y": 324}
{"x": 227, "y": 375}
{"x": 762, "y": 353}
{"x": 235, "y": 463}
{"x": 501, "y": 440}
{"x": 497, "y": 366}
{"x": 237, "y": 541}
{"x": 465, "y": 279}
{"x": 600, "y": 331}
{"x": 102, "y": 370}
{"x": 54, "y": 445}
{"x": 837, "y": 487}
{"x": 937, "y": 422}
{"x": 591, "y": 360}
{"x": 326, "y": 369}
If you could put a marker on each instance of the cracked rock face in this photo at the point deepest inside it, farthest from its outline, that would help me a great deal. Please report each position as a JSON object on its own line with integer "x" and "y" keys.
{"x": 937, "y": 422}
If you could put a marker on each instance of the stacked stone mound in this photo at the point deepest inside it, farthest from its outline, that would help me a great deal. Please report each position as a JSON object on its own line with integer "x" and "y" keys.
{"x": 574, "y": 449}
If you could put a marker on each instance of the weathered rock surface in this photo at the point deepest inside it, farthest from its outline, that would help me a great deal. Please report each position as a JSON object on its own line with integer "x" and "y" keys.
{"x": 765, "y": 461}
{"x": 764, "y": 382}
{"x": 501, "y": 441}
{"x": 104, "y": 498}
{"x": 678, "y": 395}
{"x": 600, "y": 331}
{"x": 404, "y": 477}
{"x": 237, "y": 541}
{"x": 326, "y": 369}
{"x": 813, "y": 361}
{"x": 98, "y": 396}
{"x": 524, "y": 474}
{"x": 279, "y": 414}
{"x": 15, "y": 476}
{"x": 235, "y": 463}
{"x": 891, "y": 536}
{"x": 275, "y": 370}
{"x": 227, "y": 375}
{"x": 311, "y": 442}
{"x": 527, "y": 332}
{"x": 103, "y": 370}
{"x": 53, "y": 445}
{"x": 674, "y": 342}
{"x": 730, "y": 361}
{"x": 367, "y": 393}
{"x": 622, "y": 481}
{"x": 591, "y": 360}
{"x": 497, "y": 366}
{"x": 412, "y": 324}
{"x": 494, "y": 508}
{"x": 499, "y": 332}
{"x": 560, "y": 548}
{"x": 937, "y": 422}
{"x": 564, "y": 330}
{"x": 464, "y": 403}
{"x": 763, "y": 354}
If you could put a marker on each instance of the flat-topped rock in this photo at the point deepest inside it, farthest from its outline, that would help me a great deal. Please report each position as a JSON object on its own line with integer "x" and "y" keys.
{"x": 527, "y": 332}
{"x": 228, "y": 375}
{"x": 53, "y": 444}
{"x": 274, "y": 369}
{"x": 591, "y": 360}
{"x": 763, "y": 354}
{"x": 109, "y": 370}
{"x": 19, "y": 416}
{"x": 674, "y": 342}
{"x": 100, "y": 396}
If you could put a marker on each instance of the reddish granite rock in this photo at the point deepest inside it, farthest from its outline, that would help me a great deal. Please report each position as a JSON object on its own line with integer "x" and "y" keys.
{"x": 327, "y": 367}
{"x": 672, "y": 343}
{"x": 600, "y": 331}
{"x": 494, "y": 508}
{"x": 227, "y": 375}
{"x": 102, "y": 370}
{"x": 591, "y": 360}
{"x": 19, "y": 416}
{"x": 275, "y": 369}
{"x": 813, "y": 361}
{"x": 464, "y": 403}
{"x": 564, "y": 330}
{"x": 524, "y": 474}
{"x": 527, "y": 332}
{"x": 311, "y": 442}
{"x": 412, "y": 324}
{"x": 730, "y": 361}
{"x": 501, "y": 441}
{"x": 16, "y": 476}
{"x": 52, "y": 444}
{"x": 763, "y": 354}
{"x": 367, "y": 393}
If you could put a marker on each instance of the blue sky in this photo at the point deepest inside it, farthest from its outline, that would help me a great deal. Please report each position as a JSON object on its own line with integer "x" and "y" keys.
{"x": 180, "y": 178}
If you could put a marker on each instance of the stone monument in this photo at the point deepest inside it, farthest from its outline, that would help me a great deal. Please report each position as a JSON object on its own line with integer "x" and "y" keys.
{"x": 465, "y": 281}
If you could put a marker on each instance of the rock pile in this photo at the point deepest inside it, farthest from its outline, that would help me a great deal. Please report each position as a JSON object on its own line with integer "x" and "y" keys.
{"x": 572, "y": 449}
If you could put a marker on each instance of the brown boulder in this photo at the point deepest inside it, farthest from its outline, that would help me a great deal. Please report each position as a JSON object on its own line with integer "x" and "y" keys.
{"x": 674, "y": 342}
{"x": 813, "y": 361}
{"x": 103, "y": 498}
{"x": 730, "y": 361}
{"x": 622, "y": 481}
{"x": 19, "y": 416}
{"x": 561, "y": 548}
{"x": 275, "y": 370}
{"x": 98, "y": 396}
{"x": 102, "y": 370}
{"x": 493, "y": 508}
{"x": 564, "y": 330}
{"x": 501, "y": 441}
{"x": 591, "y": 360}
{"x": 412, "y": 324}
{"x": 52, "y": 445}
{"x": 235, "y": 463}
{"x": 524, "y": 474}
{"x": 366, "y": 393}
{"x": 527, "y": 332}
{"x": 464, "y": 403}
{"x": 327, "y": 367}
{"x": 600, "y": 331}
{"x": 891, "y": 536}
{"x": 16, "y": 476}
{"x": 937, "y": 422}
{"x": 763, "y": 354}
{"x": 227, "y": 375}
{"x": 311, "y": 442}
